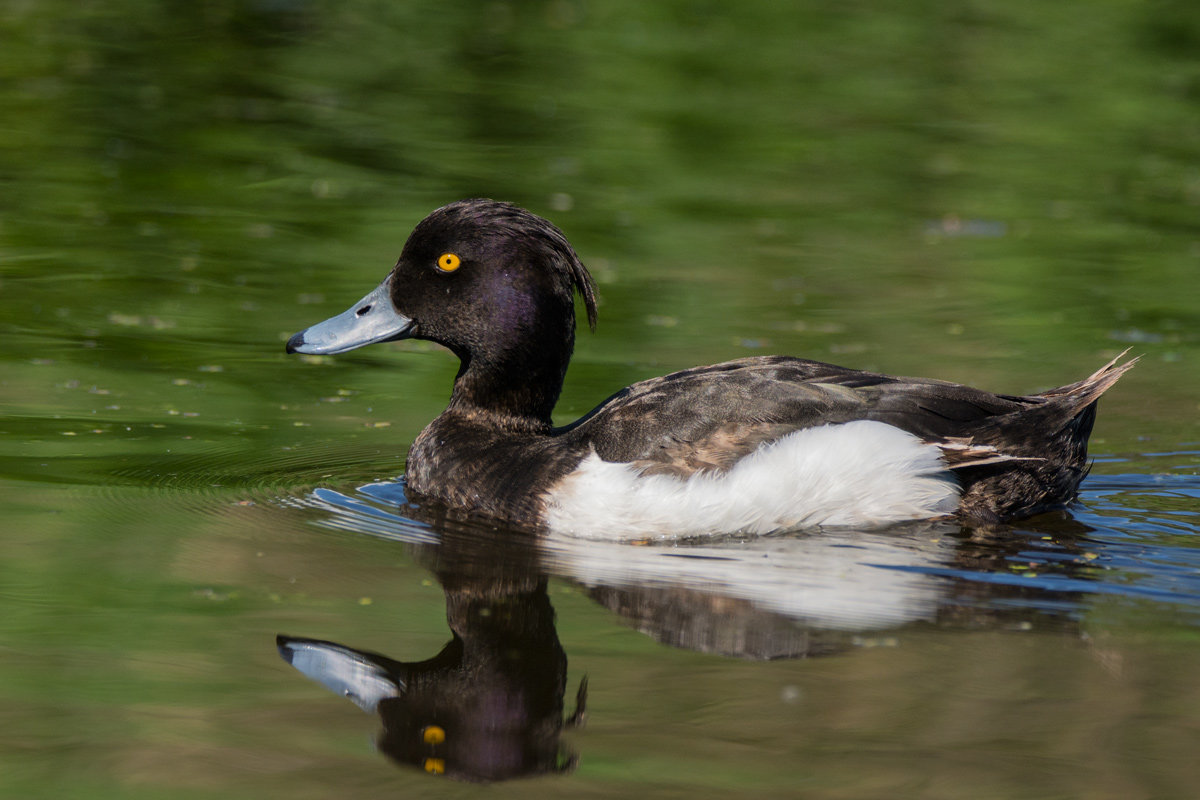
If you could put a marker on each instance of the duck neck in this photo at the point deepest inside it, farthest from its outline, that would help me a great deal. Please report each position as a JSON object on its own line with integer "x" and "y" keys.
{"x": 514, "y": 390}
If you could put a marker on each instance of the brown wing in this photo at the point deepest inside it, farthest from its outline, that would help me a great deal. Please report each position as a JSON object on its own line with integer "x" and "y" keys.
{"x": 709, "y": 417}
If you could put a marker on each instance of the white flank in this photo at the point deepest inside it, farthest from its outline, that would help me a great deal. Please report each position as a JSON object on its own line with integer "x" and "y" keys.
{"x": 861, "y": 474}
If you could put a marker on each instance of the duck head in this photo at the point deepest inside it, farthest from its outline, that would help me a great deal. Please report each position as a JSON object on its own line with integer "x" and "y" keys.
{"x": 491, "y": 282}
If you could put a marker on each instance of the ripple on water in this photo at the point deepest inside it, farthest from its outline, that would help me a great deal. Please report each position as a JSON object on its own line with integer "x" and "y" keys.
{"x": 1132, "y": 537}
{"x": 190, "y": 467}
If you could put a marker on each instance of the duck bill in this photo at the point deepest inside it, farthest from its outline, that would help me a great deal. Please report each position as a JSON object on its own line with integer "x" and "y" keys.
{"x": 372, "y": 319}
{"x": 362, "y": 677}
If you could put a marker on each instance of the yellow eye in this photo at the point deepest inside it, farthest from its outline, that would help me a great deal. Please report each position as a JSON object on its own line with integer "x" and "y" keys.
{"x": 448, "y": 262}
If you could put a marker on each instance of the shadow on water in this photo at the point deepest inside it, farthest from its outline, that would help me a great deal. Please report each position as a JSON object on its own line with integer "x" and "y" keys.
{"x": 490, "y": 705}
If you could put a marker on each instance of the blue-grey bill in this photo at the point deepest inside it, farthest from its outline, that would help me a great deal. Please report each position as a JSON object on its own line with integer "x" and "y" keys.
{"x": 372, "y": 319}
{"x": 343, "y": 671}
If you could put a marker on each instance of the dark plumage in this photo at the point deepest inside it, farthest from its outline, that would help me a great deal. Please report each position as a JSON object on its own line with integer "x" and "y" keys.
{"x": 506, "y": 309}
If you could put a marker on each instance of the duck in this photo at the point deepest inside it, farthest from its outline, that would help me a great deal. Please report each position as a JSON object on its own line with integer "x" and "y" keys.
{"x": 751, "y": 446}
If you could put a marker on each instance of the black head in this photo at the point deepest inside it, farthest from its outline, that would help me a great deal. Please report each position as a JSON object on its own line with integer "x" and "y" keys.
{"x": 477, "y": 275}
{"x": 493, "y": 283}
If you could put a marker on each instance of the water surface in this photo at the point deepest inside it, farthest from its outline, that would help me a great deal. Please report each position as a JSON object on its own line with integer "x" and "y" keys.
{"x": 1002, "y": 196}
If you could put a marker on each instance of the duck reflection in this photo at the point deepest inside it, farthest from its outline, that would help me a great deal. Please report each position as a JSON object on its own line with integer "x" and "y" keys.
{"x": 490, "y": 705}
{"x": 812, "y": 595}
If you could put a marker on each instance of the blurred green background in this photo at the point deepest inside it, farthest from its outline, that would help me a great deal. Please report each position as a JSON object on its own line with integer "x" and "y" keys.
{"x": 1004, "y": 194}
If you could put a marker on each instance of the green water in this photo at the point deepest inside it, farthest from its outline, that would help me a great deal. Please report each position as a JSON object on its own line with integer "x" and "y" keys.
{"x": 1001, "y": 194}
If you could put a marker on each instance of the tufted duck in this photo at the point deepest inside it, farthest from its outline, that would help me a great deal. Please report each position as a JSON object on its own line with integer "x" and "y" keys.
{"x": 753, "y": 445}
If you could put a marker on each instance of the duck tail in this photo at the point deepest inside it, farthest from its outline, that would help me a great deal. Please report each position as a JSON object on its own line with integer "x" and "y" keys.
{"x": 1033, "y": 459}
{"x": 1082, "y": 394}
{"x": 1073, "y": 407}
{"x": 1062, "y": 417}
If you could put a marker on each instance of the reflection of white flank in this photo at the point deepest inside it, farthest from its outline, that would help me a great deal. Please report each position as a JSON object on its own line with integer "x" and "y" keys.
{"x": 839, "y": 579}
{"x": 863, "y": 474}
{"x": 845, "y": 579}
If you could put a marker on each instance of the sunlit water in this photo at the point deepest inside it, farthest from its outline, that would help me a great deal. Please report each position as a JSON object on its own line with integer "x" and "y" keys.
{"x": 1000, "y": 196}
